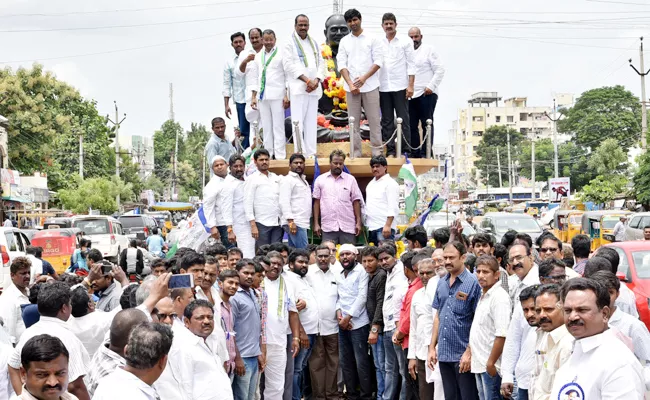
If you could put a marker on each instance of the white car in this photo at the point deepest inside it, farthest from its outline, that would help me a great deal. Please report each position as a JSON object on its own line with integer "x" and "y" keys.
{"x": 13, "y": 243}
{"x": 105, "y": 232}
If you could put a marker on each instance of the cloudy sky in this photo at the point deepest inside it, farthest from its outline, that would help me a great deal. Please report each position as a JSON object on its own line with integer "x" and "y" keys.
{"x": 130, "y": 51}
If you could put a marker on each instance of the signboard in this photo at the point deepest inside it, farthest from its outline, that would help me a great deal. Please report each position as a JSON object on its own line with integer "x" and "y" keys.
{"x": 40, "y": 195}
{"x": 21, "y": 193}
{"x": 558, "y": 189}
{"x": 9, "y": 177}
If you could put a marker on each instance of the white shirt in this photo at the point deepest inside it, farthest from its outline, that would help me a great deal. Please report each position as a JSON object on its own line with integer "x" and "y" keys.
{"x": 428, "y": 70}
{"x": 399, "y": 64}
{"x": 11, "y": 312}
{"x": 169, "y": 386}
{"x": 211, "y": 206}
{"x": 422, "y": 315}
{"x": 91, "y": 328}
{"x": 294, "y": 64}
{"x": 358, "y": 54}
{"x": 639, "y": 336}
{"x": 324, "y": 286}
{"x": 277, "y": 318}
{"x": 302, "y": 291}
{"x": 396, "y": 287}
{"x": 275, "y": 86}
{"x": 78, "y": 363}
{"x": 382, "y": 201}
{"x": 123, "y": 385}
{"x": 36, "y": 268}
{"x": 552, "y": 350}
{"x": 619, "y": 231}
{"x": 6, "y": 390}
{"x": 353, "y": 292}
{"x": 295, "y": 200}
{"x": 516, "y": 285}
{"x": 518, "y": 358}
{"x": 491, "y": 320}
{"x": 262, "y": 198}
{"x": 233, "y": 202}
{"x": 601, "y": 367}
{"x": 626, "y": 301}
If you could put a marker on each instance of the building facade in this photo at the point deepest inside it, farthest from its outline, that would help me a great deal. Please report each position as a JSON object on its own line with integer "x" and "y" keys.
{"x": 141, "y": 150}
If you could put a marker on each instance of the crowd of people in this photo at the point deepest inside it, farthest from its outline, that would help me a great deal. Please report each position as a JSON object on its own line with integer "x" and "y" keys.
{"x": 387, "y": 76}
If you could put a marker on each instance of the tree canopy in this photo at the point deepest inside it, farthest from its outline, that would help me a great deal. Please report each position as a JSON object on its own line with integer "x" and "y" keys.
{"x": 95, "y": 193}
{"x": 496, "y": 137}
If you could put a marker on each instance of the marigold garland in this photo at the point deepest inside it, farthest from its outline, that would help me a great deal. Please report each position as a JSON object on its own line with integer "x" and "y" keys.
{"x": 332, "y": 85}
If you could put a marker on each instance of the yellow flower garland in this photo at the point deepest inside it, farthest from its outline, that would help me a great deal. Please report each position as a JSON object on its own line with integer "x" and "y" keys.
{"x": 333, "y": 86}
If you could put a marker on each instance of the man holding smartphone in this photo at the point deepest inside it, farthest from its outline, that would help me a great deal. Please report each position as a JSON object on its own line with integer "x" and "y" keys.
{"x": 103, "y": 283}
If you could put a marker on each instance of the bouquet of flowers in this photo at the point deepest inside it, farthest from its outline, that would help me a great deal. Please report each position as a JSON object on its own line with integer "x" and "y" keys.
{"x": 333, "y": 85}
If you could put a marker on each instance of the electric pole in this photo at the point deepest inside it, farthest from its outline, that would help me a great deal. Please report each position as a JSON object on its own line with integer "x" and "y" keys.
{"x": 499, "y": 167}
{"x": 81, "y": 155}
{"x": 554, "y": 130}
{"x": 117, "y": 123}
{"x": 532, "y": 158}
{"x": 510, "y": 175}
{"x": 644, "y": 117}
{"x": 175, "y": 161}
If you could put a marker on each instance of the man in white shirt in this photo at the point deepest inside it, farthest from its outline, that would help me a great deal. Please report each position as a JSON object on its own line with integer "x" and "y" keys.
{"x": 554, "y": 343}
{"x": 270, "y": 94}
{"x": 54, "y": 307}
{"x": 324, "y": 360}
{"x": 305, "y": 70}
{"x": 488, "y": 332}
{"x": 359, "y": 58}
{"x": 619, "y": 229}
{"x": 146, "y": 357}
{"x": 295, "y": 202}
{"x": 396, "y": 80}
{"x": 601, "y": 366}
{"x": 396, "y": 287}
{"x": 234, "y": 86}
{"x": 308, "y": 313}
{"x": 213, "y": 200}
{"x": 382, "y": 202}
{"x": 237, "y": 226}
{"x": 282, "y": 320}
{"x": 428, "y": 75}
{"x": 245, "y": 70}
{"x": 14, "y": 296}
{"x": 87, "y": 324}
{"x": 262, "y": 202}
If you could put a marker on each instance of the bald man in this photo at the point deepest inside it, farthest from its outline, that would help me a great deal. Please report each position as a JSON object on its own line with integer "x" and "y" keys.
{"x": 428, "y": 75}
{"x": 111, "y": 356}
{"x": 165, "y": 311}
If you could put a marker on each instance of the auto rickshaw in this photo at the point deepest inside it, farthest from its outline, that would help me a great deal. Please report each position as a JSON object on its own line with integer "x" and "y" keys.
{"x": 163, "y": 219}
{"x": 567, "y": 224}
{"x": 599, "y": 224}
{"x": 57, "y": 223}
{"x": 58, "y": 246}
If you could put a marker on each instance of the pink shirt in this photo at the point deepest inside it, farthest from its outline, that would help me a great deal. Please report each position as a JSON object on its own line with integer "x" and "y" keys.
{"x": 227, "y": 324}
{"x": 336, "y": 197}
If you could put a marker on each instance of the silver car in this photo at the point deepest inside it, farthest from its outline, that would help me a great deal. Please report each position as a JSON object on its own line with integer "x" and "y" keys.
{"x": 442, "y": 219}
{"x": 498, "y": 223}
{"x": 635, "y": 225}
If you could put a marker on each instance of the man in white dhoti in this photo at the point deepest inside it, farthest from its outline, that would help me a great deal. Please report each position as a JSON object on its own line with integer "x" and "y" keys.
{"x": 305, "y": 70}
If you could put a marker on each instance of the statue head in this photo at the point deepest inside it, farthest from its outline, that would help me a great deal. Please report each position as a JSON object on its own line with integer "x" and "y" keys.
{"x": 335, "y": 29}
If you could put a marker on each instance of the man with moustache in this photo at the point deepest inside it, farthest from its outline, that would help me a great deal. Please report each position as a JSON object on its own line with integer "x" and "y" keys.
{"x": 324, "y": 360}
{"x": 295, "y": 202}
{"x": 526, "y": 272}
{"x": 550, "y": 247}
{"x": 518, "y": 362}
{"x": 213, "y": 199}
{"x": 382, "y": 202}
{"x": 307, "y": 307}
{"x": 601, "y": 366}
{"x": 352, "y": 284}
{"x": 554, "y": 343}
{"x": 14, "y": 296}
{"x": 218, "y": 144}
{"x": 456, "y": 300}
{"x": 245, "y": 70}
{"x": 234, "y": 86}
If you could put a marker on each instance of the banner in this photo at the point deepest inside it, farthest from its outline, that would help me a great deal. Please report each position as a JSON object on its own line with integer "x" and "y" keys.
{"x": 195, "y": 232}
{"x": 558, "y": 188}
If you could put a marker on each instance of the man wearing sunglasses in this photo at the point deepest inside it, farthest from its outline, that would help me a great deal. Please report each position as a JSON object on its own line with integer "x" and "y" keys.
{"x": 550, "y": 248}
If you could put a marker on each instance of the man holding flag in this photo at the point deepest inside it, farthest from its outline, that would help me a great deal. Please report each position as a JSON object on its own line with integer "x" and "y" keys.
{"x": 382, "y": 202}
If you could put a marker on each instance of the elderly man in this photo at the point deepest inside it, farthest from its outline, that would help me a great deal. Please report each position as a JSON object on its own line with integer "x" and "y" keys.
{"x": 601, "y": 366}
{"x": 234, "y": 214}
{"x": 305, "y": 69}
{"x": 337, "y": 203}
{"x": 619, "y": 229}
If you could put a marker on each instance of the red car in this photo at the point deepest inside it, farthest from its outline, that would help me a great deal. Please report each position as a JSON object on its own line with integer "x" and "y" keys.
{"x": 634, "y": 270}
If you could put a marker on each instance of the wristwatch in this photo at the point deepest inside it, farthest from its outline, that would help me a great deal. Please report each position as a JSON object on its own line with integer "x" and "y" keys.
{"x": 374, "y": 330}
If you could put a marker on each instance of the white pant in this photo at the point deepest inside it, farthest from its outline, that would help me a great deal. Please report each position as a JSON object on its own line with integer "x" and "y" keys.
{"x": 272, "y": 116}
{"x": 276, "y": 362}
{"x": 304, "y": 109}
{"x": 245, "y": 241}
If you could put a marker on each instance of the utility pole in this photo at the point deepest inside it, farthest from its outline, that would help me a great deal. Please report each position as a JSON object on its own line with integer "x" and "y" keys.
{"x": 117, "y": 123}
{"x": 171, "y": 118}
{"x": 532, "y": 158}
{"x": 499, "y": 167}
{"x": 644, "y": 117}
{"x": 509, "y": 170}
{"x": 554, "y": 129}
{"x": 81, "y": 155}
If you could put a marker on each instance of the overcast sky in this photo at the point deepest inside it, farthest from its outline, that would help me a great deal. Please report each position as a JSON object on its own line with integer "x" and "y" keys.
{"x": 111, "y": 51}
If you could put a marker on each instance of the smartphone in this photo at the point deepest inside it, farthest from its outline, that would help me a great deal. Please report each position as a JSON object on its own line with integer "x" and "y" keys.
{"x": 107, "y": 268}
{"x": 181, "y": 281}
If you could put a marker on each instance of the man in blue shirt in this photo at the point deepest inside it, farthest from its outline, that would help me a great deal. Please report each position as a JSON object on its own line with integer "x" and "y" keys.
{"x": 218, "y": 145}
{"x": 456, "y": 300}
{"x": 155, "y": 243}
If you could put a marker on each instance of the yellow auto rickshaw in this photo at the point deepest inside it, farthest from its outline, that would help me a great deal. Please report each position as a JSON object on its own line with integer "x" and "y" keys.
{"x": 598, "y": 224}
{"x": 567, "y": 224}
{"x": 58, "y": 246}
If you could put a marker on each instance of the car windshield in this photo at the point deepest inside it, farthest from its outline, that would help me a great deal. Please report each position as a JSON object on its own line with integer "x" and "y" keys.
{"x": 92, "y": 226}
{"x": 527, "y": 225}
{"x": 642, "y": 263}
{"x": 132, "y": 222}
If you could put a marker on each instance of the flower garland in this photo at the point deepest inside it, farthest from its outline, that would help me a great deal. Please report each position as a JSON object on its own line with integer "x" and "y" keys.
{"x": 333, "y": 85}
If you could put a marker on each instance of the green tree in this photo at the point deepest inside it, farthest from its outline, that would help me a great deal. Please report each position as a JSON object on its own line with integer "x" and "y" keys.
{"x": 607, "y": 112}
{"x": 154, "y": 183}
{"x": 603, "y": 189}
{"x": 95, "y": 193}
{"x": 609, "y": 158}
{"x": 130, "y": 174}
{"x": 193, "y": 153}
{"x": 495, "y": 137}
{"x": 164, "y": 142}
{"x": 641, "y": 180}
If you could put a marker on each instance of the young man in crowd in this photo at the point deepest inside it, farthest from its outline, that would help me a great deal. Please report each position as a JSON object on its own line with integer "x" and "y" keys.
{"x": 229, "y": 284}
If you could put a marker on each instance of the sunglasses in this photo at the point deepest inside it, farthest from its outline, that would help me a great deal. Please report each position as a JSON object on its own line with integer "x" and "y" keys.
{"x": 547, "y": 249}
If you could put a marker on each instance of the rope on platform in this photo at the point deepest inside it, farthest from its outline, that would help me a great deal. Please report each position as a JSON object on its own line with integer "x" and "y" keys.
{"x": 424, "y": 140}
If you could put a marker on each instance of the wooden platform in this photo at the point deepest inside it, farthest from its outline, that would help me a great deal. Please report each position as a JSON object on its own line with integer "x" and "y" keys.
{"x": 359, "y": 167}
